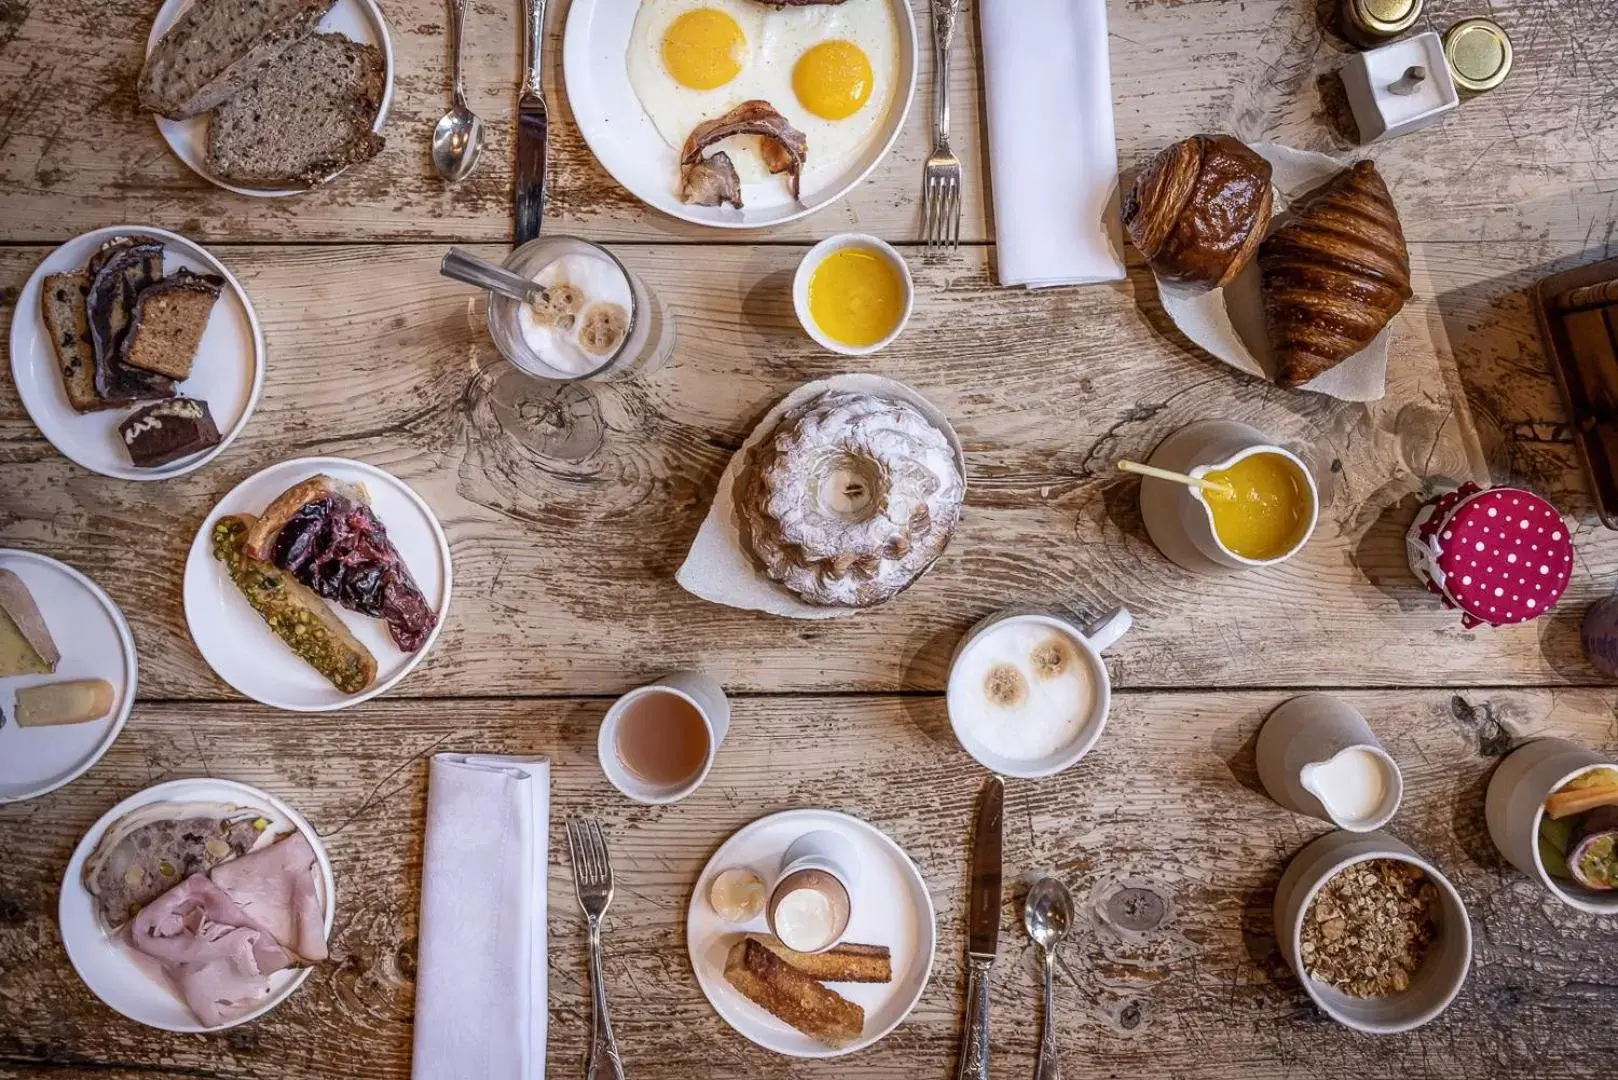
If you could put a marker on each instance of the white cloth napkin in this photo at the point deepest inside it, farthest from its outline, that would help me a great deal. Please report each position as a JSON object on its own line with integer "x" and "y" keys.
{"x": 480, "y": 981}
{"x": 1052, "y": 152}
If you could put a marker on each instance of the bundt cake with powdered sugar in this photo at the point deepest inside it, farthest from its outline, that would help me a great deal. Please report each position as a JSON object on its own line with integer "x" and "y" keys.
{"x": 850, "y": 498}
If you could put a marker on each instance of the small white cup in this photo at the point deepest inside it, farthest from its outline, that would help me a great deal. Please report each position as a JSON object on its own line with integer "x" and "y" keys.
{"x": 1306, "y": 733}
{"x": 1101, "y": 636}
{"x": 702, "y": 693}
{"x": 806, "y": 270}
{"x": 1515, "y": 805}
{"x": 817, "y": 853}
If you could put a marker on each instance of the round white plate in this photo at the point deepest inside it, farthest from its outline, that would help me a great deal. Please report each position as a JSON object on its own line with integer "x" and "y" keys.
{"x": 360, "y": 20}
{"x": 112, "y": 970}
{"x": 228, "y": 373}
{"x": 94, "y": 640}
{"x": 891, "y": 907}
{"x": 245, "y": 652}
{"x": 624, "y": 140}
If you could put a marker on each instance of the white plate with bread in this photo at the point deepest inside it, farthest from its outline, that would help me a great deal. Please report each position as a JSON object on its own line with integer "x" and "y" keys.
{"x": 848, "y": 997}
{"x": 299, "y": 92}
{"x": 317, "y": 584}
{"x": 67, "y": 674}
{"x": 178, "y": 333}
{"x": 637, "y": 113}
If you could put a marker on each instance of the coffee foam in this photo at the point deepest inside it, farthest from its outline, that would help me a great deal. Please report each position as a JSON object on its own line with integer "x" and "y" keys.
{"x": 1023, "y": 690}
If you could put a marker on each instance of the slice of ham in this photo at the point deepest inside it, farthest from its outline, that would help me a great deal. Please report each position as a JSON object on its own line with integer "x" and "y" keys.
{"x": 784, "y": 146}
{"x": 710, "y": 182}
{"x": 218, "y": 940}
{"x": 275, "y": 887}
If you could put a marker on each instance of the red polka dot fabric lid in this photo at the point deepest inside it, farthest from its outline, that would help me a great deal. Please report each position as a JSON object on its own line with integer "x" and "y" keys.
{"x": 1505, "y": 555}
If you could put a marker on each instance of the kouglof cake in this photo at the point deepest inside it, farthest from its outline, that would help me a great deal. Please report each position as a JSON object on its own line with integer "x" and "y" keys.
{"x": 850, "y": 498}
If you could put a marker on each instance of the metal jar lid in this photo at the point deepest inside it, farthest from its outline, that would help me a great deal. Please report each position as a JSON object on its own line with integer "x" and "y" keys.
{"x": 1381, "y": 18}
{"x": 1479, "y": 54}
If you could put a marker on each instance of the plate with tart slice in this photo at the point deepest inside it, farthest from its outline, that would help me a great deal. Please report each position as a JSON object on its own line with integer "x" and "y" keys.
{"x": 136, "y": 353}
{"x": 317, "y": 584}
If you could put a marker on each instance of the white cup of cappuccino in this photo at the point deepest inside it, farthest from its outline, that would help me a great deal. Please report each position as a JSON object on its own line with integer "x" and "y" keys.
{"x": 1028, "y": 693}
{"x": 657, "y": 743}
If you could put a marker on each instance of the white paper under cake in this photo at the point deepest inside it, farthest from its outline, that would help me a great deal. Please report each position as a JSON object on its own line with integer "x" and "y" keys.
{"x": 721, "y": 569}
{"x": 1229, "y": 322}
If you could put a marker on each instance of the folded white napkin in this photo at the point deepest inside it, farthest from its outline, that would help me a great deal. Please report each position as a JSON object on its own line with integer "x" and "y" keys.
{"x": 480, "y": 980}
{"x": 1051, "y": 148}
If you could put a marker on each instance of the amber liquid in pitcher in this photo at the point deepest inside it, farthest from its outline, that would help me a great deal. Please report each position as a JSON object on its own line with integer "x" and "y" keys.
{"x": 662, "y": 738}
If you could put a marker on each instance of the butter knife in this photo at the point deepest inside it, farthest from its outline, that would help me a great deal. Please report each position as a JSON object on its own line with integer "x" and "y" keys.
{"x": 982, "y": 931}
{"x": 533, "y": 129}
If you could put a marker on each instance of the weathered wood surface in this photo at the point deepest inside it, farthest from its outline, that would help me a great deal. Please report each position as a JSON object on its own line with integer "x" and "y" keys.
{"x": 1533, "y": 159}
{"x": 568, "y": 512}
{"x": 1168, "y": 804}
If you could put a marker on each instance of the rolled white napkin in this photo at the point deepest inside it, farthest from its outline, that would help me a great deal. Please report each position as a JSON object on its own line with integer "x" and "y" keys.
{"x": 480, "y": 980}
{"x": 1052, "y": 152}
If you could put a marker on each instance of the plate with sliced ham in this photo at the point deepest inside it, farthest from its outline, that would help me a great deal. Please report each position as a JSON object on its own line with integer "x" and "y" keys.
{"x": 197, "y": 905}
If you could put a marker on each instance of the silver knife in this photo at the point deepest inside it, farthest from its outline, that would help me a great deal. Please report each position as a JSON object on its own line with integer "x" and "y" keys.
{"x": 982, "y": 931}
{"x": 533, "y": 129}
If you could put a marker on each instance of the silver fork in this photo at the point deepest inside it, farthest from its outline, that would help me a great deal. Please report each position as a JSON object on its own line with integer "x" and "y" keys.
{"x": 941, "y": 178}
{"x": 592, "y": 884}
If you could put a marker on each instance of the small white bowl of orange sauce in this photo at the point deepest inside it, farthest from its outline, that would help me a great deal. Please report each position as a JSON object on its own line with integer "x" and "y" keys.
{"x": 853, "y": 294}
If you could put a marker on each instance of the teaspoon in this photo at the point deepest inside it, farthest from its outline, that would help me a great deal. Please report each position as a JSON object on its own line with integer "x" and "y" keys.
{"x": 462, "y": 265}
{"x": 458, "y": 138}
{"x": 1048, "y": 913}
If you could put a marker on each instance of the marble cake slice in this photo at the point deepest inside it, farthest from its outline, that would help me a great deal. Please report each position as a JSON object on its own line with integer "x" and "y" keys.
{"x": 307, "y": 116}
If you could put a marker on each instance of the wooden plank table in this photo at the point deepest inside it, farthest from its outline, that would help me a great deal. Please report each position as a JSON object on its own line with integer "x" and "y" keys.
{"x": 568, "y": 511}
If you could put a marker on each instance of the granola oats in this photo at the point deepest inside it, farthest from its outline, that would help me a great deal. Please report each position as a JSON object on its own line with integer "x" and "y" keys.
{"x": 1369, "y": 927}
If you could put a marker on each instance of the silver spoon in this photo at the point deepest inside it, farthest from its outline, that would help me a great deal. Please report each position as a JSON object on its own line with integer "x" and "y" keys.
{"x": 1048, "y": 913}
{"x": 458, "y": 138}
{"x": 464, "y": 266}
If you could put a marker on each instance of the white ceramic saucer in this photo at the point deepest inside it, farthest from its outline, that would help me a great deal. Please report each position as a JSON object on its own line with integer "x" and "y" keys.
{"x": 228, "y": 372}
{"x": 892, "y": 907}
{"x": 244, "y": 652}
{"x": 622, "y": 137}
{"x": 94, "y": 640}
{"x": 360, "y": 20}
{"x": 113, "y": 971}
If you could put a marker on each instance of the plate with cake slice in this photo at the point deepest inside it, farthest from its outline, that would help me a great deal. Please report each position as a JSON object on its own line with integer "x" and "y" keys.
{"x": 269, "y": 97}
{"x": 67, "y": 674}
{"x": 317, "y": 584}
{"x": 136, "y": 353}
{"x": 832, "y": 1001}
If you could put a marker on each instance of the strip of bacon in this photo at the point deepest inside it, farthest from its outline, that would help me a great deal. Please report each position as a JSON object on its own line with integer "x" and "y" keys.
{"x": 784, "y": 145}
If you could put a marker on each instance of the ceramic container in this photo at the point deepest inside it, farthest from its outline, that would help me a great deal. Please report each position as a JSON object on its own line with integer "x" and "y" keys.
{"x": 1176, "y": 516}
{"x": 1515, "y": 805}
{"x": 826, "y": 861}
{"x": 1299, "y": 740}
{"x": 1385, "y": 101}
{"x": 1440, "y": 977}
{"x": 1499, "y": 555}
{"x": 1100, "y": 637}
{"x": 806, "y": 270}
{"x": 700, "y": 691}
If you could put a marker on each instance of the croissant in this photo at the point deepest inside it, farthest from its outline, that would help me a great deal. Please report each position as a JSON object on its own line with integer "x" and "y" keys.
{"x": 1334, "y": 275}
{"x": 1198, "y": 210}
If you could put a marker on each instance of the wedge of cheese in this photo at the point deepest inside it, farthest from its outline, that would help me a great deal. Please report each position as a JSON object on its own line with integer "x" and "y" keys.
{"x": 26, "y": 647}
{"x": 76, "y": 701}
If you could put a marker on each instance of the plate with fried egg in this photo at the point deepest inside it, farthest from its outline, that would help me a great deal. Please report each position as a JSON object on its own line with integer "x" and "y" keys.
{"x": 642, "y": 74}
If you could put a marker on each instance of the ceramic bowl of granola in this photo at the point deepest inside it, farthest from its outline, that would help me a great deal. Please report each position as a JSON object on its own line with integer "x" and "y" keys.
{"x": 1377, "y": 935}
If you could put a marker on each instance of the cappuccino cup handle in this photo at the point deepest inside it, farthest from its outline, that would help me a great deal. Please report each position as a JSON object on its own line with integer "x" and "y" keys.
{"x": 1105, "y": 633}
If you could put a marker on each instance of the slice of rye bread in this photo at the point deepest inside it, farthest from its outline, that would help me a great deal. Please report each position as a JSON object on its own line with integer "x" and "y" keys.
{"x": 61, "y": 299}
{"x": 793, "y": 997}
{"x": 308, "y": 116}
{"x": 168, "y": 322}
{"x": 216, "y": 48}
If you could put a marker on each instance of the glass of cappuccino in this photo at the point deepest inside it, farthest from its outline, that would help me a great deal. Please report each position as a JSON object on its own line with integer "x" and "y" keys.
{"x": 591, "y": 318}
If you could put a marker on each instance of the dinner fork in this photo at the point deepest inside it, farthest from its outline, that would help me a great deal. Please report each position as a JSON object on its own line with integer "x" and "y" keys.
{"x": 592, "y": 884}
{"x": 941, "y": 178}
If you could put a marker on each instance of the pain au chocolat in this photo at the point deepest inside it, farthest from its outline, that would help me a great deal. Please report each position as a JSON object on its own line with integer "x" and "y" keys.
{"x": 1198, "y": 210}
{"x": 1334, "y": 275}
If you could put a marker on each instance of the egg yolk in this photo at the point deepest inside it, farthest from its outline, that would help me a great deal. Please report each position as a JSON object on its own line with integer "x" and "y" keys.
{"x": 856, "y": 297}
{"x": 833, "y": 79}
{"x": 704, "y": 49}
{"x": 1267, "y": 511}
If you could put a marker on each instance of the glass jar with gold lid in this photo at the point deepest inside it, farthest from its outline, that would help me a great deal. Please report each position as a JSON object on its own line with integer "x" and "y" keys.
{"x": 1369, "y": 23}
